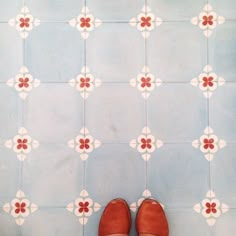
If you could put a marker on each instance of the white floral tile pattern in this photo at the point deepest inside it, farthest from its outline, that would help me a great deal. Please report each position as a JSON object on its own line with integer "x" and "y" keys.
{"x": 20, "y": 208}
{"x": 22, "y": 144}
{"x": 209, "y": 143}
{"x": 211, "y": 208}
{"x": 207, "y": 20}
{"x": 24, "y": 22}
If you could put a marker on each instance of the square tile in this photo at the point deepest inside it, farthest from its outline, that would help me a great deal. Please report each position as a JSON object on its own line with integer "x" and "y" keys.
{"x": 11, "y": 52}
{"x": 115, "y": 112}
{"x": 223, "y": 175}
{"x": 177, "y": 112}
{"x": 222, "y": 112}
{"x": 10, "y": 175}
{"x": 113, "y": 10}
{"x": 115, "y": 171}
{"x": 186, "y": 222}
{"x": 115, "y": 52}
{"x": 55, "y": 10}
{"x": 54, "y": 52}
{"x": 167, "y": 180}
{"x": 49, "y": 118}
{"x": 11, "y": 115}
{"x": 8, "y": 225}
{"x": 222, "y": 50}
{"x": 176, "y": 51}
{"x": 9, "y": 9}
{"x": 177, "y": 10}
{"x": 52, "y": 222}
{"x": 52, "y": 175}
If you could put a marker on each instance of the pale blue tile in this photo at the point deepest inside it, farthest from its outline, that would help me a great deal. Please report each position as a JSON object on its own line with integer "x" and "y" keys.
{"x": 115, "y": 52}
{"x": 8, "y": 225}
{"x": 9, "y": 9}
{"x": 52, "y": 175}
{"x": 11, "y": 52}
{"x": 54, "y": 52}
{"x": 115, "y": 112}
{"x": 222, "y": 50}
{"x": 177, "y": 112}
{"x": 55, "y": 10}
{"x": 115, "y": 171}
{"x": 178, "y": 175}
{"x": 52, "y": 222}
{"x": 223, "y": 112}
{"x": 113, "y": 10}
{"x": 176, "y": 51}
{"x": 54, "y": 113}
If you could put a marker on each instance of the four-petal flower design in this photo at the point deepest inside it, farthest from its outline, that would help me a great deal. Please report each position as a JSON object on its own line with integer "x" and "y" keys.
{"x": 24, "y": 22}
{"x": 145, "y": 82}
{"x": 145, "y": 21}
{"x": 84, "y": 143}
{"x": 22, "y": 144}
{"x": 146, "y": 143}
{"x": 211, "y": 208}
{"x": 209, "y": 143}
{"x": 208, "y": 81}
{"x": 23, "y": 82}
{"x": 83, "y": 207}
{"x": 207, "y": 20}
{"x": 85, "y": 82}
{"x": 85, "y": 22}
{"x": 20, "y": 207}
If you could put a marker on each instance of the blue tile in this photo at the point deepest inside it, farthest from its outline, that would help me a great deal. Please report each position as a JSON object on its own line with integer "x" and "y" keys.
{"x": 10, "y": 175}
{"x": 8, "y": 225}
{"x": 176, "y": 51}
{"x": 223, "y": 174}
{"x": 115, "y": 171}
{"x": 115, "y": 52}
{"x": 176, "y": 10}
{"x": 54, "y": 10}
{"x": 167, "y": 180}
{"x": 9, "y": 9}
{"x": 113, "y": 10}
{"x": 52, "y": 222}
{"x": 52, "y": 175}
{"x": 222, "y": 50}
{"x": 223, "y": 112}
{"x": 48, "y": 118}
{"x": 177, "y": 112}
{"x": 11, "y": 116}
{"x": 54, "y": 52}
{"x": 11, "y": 52}
{"x": 186, "y": 222}
{"x": 115, "y": 112}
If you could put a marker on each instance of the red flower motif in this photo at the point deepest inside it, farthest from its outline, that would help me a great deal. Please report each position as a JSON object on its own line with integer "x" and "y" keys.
{"x": 208, "y": 81}
{"x": 207, "y": 20}
{"x": 146, "y": 21}
{"x": 22, "y": 143}
{"x": 208, "y": 143}
{"x": 145, "y": 82}
{"x": 84, "y": 143}
{"x": 23, "y": 82}
{"x": 20, "y": 207}
{"x": 24, "y": 22}
{"x": 146, "y": 143}
{"x": 83, "y": 207}
{"x": 84, "y": 82}
{"x": 211, "y": 207}
{"x": 85, "y": 22}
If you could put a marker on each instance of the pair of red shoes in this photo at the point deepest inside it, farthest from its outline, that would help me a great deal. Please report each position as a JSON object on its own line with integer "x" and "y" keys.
{"x": 150, "y": 219}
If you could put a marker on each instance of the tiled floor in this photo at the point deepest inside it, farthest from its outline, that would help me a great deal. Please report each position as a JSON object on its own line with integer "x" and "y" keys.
{"x": 102, "y": 99}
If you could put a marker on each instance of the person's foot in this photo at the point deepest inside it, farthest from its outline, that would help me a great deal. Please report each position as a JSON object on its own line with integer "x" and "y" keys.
{"x": 116, "y": 219}
{"x": 151, "y": 219}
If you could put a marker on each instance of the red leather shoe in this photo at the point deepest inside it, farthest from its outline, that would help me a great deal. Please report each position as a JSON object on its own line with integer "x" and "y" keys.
{"x": 116, "y": 218}
{"x": 151, "y": 219}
